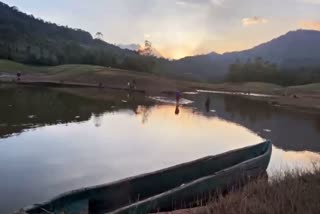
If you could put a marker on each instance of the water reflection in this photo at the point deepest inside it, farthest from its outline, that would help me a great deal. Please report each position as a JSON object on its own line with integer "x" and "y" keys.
{"x": 291, "y": 160}
{"x": 295, "y": 135}
{"x": 97, "y": 118}
{"x": 177, "y": 110}
{"x": 49, "y": 160}
{"x": 26, "y": 108}
{"x": 144, "y": 111}
{"x": 287, "y": 130}
{"x": 73, "y": 142}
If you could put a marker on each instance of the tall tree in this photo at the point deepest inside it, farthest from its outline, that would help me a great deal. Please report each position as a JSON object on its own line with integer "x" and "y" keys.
{"x": 99, "y": 35}
{"x": 147, "y": 49}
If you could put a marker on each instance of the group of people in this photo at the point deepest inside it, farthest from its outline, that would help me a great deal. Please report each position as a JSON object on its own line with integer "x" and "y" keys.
{"x": 178, "y": 97}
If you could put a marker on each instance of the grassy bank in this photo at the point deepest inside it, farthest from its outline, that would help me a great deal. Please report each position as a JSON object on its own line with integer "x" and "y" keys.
{"x": 111, "y": 76}
{"x": 293, "y": 193}
{"x": 261, "y": 87}
{"x": 305, "y": 97}
{"x": 153, "y": 84}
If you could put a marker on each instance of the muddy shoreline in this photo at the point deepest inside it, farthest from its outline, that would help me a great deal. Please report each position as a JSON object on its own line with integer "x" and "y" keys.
{"x": 309, "y": 103}
{"x": 295, "y": 100}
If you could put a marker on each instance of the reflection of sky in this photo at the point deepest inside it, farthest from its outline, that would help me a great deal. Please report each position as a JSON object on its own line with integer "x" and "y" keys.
{"x": 43, "y": 162}
{"x": 292, "y": 160}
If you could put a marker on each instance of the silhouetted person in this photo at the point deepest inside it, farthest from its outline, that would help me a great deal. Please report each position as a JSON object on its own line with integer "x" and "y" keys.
{"x": 134, "y": 84}
{"x": 207, "y": 104}
{"x": 18, "y": 76}
{"x": 177, "y": 111}
{"x": 178, "y": 96}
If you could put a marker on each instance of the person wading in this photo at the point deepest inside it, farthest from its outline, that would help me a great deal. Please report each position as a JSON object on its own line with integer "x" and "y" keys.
{"x": 19, "y": 76}
{"x": 178, "y": 97}
{"x": 207, "y": 104}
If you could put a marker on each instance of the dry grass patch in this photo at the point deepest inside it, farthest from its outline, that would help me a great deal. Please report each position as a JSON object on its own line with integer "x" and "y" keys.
{"x": 291, "y": 193}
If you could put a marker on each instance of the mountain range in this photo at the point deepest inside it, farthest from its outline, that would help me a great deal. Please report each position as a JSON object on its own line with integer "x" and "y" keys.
{"x": 294, "y": 50}
{"x": 26, "y": 39}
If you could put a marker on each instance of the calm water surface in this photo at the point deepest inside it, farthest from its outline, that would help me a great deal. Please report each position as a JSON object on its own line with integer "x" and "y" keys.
{"x": 52, "y": 142}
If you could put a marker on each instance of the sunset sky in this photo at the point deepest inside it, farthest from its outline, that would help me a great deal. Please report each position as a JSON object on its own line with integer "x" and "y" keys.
{"x": 179, "y": 28}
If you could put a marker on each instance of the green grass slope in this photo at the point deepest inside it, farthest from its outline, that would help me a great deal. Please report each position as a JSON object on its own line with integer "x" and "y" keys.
{"x": 7, "y": 66}
{"x": 11, "y": 67}
{"x": 315, "y": 87}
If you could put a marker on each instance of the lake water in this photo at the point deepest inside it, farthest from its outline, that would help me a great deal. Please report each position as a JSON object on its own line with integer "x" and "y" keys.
{"x": 51, "y": 142}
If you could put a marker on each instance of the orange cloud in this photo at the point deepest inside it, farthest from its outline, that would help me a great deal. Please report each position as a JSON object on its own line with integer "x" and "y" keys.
{"x": 312, "y": 25}
{"x": 254, "y": 20}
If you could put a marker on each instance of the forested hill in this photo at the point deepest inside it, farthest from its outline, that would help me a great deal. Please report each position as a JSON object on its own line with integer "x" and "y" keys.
{"x": 296, "y": 51}
{"x": 24, "y": 38}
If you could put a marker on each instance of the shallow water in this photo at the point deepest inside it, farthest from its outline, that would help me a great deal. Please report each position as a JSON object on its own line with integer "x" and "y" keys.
{"x": 234, "y": 93}
{"x": 72, "y": 142}
{"x": 168, "y": 100}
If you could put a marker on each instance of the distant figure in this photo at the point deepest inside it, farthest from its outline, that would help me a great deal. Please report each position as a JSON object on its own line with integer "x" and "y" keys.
{"x": 177, "y": 110}
{"x": 134, "y": 84}
{"x": 18, "y": 76}
{"x": 207, "y": 104}
{"x": 178, "y": 96}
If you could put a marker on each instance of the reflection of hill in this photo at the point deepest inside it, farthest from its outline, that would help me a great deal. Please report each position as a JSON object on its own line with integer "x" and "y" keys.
{"x": 289, "y": 130}
{"x": 25, "y": 108}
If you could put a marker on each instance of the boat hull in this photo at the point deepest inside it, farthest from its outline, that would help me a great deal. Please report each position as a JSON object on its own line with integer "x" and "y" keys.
{"x": 186, "y": 195}
{"x": 166, "y": 189}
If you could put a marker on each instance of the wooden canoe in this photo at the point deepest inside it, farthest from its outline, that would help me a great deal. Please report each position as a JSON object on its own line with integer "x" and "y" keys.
{"x": 165, "y": 189}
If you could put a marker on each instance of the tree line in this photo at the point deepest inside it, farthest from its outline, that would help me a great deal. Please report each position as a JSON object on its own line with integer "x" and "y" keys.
{"x": 260, "y": 70}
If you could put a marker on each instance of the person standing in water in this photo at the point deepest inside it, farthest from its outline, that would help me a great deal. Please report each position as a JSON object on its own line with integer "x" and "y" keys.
{"x": 134, "y": 84}
{"x": 178, "y": 97}
{"x": 19, "y": 76}
{"x": 207, "y": 104}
